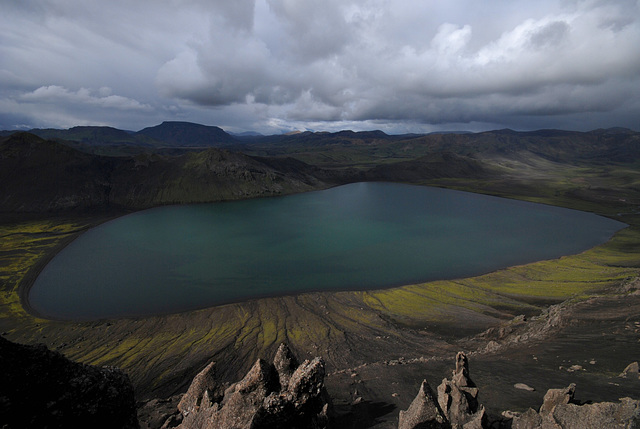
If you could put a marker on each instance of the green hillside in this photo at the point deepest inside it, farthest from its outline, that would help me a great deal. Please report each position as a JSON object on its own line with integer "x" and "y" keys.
{"x": 38, "y": 175}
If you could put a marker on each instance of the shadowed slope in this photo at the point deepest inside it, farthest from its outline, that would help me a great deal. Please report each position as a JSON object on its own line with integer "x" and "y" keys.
{"x": 39, "y": 176}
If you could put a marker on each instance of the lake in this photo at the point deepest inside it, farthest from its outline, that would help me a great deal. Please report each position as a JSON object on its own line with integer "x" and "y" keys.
{"x": 352, "y": 237}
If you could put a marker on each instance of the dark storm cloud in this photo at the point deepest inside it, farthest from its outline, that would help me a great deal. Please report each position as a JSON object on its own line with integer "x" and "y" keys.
{"x": 274, "y": 64}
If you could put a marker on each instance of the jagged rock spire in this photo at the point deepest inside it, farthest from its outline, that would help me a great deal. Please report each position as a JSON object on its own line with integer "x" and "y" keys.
{"x": 423, "y": 411}
{"x": 456, "y": 405}
{"x": 278, "y": 394}
{"x": 458, "y": 398}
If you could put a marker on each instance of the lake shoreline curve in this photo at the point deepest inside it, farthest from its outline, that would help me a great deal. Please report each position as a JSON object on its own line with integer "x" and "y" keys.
{"x": 367, "y": 286}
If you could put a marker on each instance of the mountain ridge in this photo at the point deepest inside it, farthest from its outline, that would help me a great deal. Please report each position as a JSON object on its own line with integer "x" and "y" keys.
{"x": 38, "y": 175}
{"x": 184, "y": 133}
{"x": 188, "y": 134}
{"x": 51, "y": 175}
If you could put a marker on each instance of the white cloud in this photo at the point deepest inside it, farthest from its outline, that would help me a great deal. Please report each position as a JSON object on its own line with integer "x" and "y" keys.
{"x": 451, "y": 39}
{"x": 60, "y": 107}
{"x": 258, "y": 62}
{"x": 54, "y": 94}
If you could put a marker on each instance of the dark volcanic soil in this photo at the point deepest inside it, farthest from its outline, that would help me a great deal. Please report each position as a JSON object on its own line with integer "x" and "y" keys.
{"x": 376, "y": 356}
{"x": 601, "y": 335}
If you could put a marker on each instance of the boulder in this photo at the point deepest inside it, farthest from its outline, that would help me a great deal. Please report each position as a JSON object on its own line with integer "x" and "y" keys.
{"x": 632, "y": 370}
{"x": 456, "y": 406}
{"x": 560, "y": 411}
{"x": 522, "y": 386}
{"x": 555, "y": 397}
{"x": 527, "y": 420}
{"x": 625, "y": 414}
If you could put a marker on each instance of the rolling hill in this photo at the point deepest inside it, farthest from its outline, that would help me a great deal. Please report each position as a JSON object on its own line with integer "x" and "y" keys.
{"x": 38, "y": 175}
{"x": 52, "y": 175}
{"x": 95, "y": 136}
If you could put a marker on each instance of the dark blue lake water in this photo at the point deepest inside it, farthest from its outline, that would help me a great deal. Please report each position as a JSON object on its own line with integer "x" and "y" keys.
{"x": 358, "y": 236}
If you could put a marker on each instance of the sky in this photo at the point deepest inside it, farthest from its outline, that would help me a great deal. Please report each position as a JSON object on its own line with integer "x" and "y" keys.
{"x": 274, "y": 66}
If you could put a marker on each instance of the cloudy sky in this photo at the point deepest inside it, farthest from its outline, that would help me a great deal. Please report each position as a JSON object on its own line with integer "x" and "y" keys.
{"x": 278, "y": 65}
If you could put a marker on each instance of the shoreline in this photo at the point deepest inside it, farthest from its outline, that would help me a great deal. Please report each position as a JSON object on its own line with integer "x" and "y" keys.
{"x": 379, "y": 344}
{"x": 95, "y": 220}
{"x": 352, "y": 339}
{"x": 348, "y": 329}
{"x": 34, "y": 271}
{"x": 32, "y": 274}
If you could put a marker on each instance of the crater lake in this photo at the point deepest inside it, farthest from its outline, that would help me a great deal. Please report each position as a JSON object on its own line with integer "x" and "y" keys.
{"x": 352, "y": 237}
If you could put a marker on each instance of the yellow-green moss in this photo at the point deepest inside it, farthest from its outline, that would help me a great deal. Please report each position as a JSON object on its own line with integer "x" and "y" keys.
{"x": 515, "y": 288}
{"x": 313, "y": 320}
{"x": 22, "y": 245}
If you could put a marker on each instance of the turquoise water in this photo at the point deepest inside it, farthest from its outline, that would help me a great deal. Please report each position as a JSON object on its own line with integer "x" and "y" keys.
{"x": 358, "y": 236}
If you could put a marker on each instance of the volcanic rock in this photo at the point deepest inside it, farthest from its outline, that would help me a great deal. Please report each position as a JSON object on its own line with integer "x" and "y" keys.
{"x": 424, "y": 411}
{"x": 456, "y": 405}
{"x": 160, "y": 413}
{"x": 282, "y": 394}
{"x": 559, "y": 410}
{"x": 285, "y": 364}
{"x": 632, "y": 370}
{"x": 41, "y": 388}
{"x": 204, "y": 386}
{"x": 458, "y": 398}
{"x": 555, "y": 397}
{"x": 523, "y": 386}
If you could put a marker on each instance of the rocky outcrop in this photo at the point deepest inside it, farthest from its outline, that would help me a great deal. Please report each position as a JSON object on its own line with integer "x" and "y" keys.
{"x": 41, "y": 388}
{"x": 281, "y": 394}
{"x": 456, "y": 405}
{"x": 521, "y": 329}
{"x": 424, "y": 411}
{"x": 632, "y": 371}
{"x": 203, "y": 387}
{"x": 555, "y": 397}
{"x": 458, "y": 398}
{"x": 559, "y": 410}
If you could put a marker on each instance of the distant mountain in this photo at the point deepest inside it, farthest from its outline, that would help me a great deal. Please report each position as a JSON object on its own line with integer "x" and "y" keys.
{"x": 50, "y": 175}
{"x": 448, "y": 132}
{"x": 165, "y": 135}
{"x": 613, "y": 130}
{"x": 362, "y": 135}
{"x": 247, "y": 134}
{"x": 363, "y": 149}
{"x": 95, "y": 136}
{"x": 349, "y": 147}
{"x": 188, "y": 134}
{"x": 321, "y": 138}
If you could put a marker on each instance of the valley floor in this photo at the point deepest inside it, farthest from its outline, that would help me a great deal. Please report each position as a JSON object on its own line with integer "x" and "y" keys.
{"x": 378, "y": 345}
